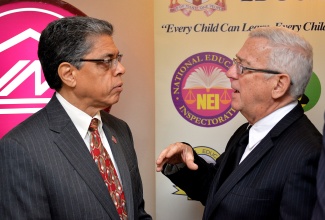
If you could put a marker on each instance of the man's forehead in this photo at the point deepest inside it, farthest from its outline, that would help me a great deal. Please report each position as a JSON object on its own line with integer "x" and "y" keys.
{"x": 254, "y": 47}
{"x": 103, "y": 44}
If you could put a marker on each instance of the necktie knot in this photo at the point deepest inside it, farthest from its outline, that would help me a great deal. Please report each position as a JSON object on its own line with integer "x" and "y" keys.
{"x": 93, "y": 125}
{"x": 241, "y": 146}
{"x": 244, "y": 138}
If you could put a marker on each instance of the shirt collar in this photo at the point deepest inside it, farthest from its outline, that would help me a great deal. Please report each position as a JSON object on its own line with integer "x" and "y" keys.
{"x": 261, "y": 128}
{"x": 79, "y": 118}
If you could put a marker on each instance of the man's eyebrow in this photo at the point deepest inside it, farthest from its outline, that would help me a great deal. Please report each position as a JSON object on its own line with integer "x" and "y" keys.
{"x": 111, "y": 55}
{"x": 242, "y": 60}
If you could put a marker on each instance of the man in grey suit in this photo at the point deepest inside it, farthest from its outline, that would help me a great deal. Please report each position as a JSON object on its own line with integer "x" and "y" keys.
{"x": 275, "y": 176}
{"x": 46, "y": 169}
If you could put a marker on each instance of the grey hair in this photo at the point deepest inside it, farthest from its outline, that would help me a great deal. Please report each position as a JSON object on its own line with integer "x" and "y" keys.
{"x": 290, "y": 54}
{"x": 68, "y": 40}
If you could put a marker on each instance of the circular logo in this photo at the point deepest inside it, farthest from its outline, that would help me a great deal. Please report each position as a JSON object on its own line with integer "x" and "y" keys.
{"x": 201, "y": 91}
{"x": 312, "y": 93}
{"x": 23, "y": 89}
{"x": 209, "y": 154}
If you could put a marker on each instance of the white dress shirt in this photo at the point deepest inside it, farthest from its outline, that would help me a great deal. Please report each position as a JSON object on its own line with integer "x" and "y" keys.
{"x": 261, "y": 128}
{"x": 82, "y": 121}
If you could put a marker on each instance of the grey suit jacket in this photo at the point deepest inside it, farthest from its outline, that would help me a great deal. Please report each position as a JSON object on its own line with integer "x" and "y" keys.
{"x": 47, "y": 172}
{"x": 277, "y": 180}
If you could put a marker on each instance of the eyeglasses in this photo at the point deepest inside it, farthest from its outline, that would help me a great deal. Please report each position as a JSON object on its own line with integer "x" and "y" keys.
{"x": 112, "y": 63}
{"x": 240, "y": 68}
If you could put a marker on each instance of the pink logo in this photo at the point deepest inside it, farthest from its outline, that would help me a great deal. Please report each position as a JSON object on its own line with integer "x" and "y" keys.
{"x": 23, "y": 89}
{"x": 207, "y": 6}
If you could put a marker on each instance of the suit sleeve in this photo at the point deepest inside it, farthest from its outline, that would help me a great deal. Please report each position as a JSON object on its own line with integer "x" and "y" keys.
{"x": 22, "y": 193}
{"x": 142, "y": 214}
{"x": 196, "y": 183}
{"x": 136, "y": 178}
{"x": 319, "y": 211}
{"x": 299, "y": 190}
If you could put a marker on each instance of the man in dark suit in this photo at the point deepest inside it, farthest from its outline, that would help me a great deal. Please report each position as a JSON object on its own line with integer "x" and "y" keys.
{"x": 319, "y": 211}
{"x": 46, "y": 168}
{"x": 275, "y": 176}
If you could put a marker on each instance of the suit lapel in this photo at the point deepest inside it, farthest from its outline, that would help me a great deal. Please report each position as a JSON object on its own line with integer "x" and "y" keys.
{"x": 116, "y": 144}
{"x": 72, "y": 146}
{"x": 256, "y": 155}
{"x": 218, "y": 193}
{"x": 215, "y": 189}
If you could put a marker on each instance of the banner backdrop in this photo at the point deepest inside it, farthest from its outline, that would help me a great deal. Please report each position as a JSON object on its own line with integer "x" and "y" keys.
{"x": 195, "y": 42}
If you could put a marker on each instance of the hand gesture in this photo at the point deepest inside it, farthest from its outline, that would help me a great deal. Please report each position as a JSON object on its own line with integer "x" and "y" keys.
{"x": 176, "y": 153}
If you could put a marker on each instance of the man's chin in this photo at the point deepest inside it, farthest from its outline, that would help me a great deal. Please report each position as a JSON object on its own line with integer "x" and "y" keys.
{"x": 235, "y": 105}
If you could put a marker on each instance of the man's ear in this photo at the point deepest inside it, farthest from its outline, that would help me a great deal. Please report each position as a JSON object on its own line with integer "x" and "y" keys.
{"x": 282, "y": 85}
{"x": 67, "y": 73}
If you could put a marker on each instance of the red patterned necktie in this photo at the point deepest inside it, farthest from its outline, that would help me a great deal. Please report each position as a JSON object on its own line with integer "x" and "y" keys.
{"x": 107, "y": 170}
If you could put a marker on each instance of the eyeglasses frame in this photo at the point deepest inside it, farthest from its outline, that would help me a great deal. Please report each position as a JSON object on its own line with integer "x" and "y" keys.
{"x": 240, "y": 68}
{"x": 112, "y": 62}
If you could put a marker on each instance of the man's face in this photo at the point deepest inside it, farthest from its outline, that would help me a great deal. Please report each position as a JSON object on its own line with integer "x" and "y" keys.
{"x": 98, "y": 86}
{"x": 252, "y": 90}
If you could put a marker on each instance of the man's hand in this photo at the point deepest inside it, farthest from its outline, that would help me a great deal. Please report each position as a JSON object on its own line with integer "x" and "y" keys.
{"x": 176, "y": 153}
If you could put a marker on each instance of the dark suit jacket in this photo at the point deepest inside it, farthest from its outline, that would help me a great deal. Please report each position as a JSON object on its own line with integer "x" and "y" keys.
{"x": 277, "y": 180}
{"x": 319, "y": 211}
{"x": 47, "y": 172}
